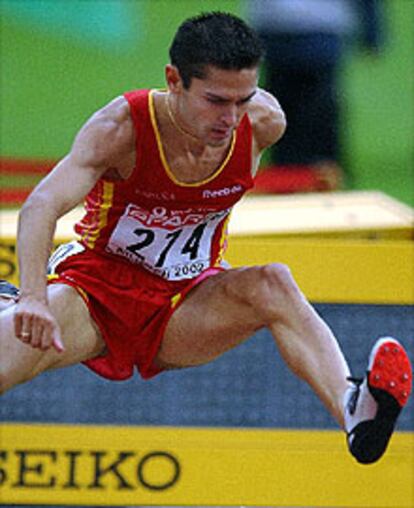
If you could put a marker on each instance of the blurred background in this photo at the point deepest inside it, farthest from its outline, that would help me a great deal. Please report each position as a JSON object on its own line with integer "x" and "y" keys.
{"x": 61, "y": 60}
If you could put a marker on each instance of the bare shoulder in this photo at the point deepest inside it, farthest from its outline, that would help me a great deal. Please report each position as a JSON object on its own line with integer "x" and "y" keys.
{"x": 107, "y": 137}
{"x": 268, "y": 119}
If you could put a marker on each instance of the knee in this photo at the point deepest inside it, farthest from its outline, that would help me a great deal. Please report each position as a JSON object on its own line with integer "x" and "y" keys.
{"x": 277, "y": 275}
{"x": 12, "y": 372}
{"x": 271, "y": 291}
{"x": 6, "y": 382}
{"x": 9, "y": 379}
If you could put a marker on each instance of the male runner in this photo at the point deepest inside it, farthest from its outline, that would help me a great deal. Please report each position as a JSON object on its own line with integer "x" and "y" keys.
{"x": 145, "y": 286}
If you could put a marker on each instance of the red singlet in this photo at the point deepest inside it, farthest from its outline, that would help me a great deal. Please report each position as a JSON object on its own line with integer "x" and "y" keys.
{"x": 150, "y": 232}
{"x": 173, "y": 229}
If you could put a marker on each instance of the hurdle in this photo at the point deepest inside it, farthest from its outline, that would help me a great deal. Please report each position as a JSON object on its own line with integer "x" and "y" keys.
{"x": 344, "y": 249}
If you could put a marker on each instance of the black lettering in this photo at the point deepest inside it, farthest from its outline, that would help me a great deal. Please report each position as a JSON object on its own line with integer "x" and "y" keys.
{"x": 3, "y": 472}
{"x": 7, "y": 263}
{"x": 147, "y": 240}
{"x": 193, "y": 243}
{"x": 172, "y": 237}
{"x": 100, "y": 471}
{"x": 25, "y": 468}
{"x": 176, "y": 470}
{"x": 71, "y": 482}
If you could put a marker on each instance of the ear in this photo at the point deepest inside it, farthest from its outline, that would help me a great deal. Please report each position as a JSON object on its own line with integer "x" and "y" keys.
{"x": 173, "y": 78}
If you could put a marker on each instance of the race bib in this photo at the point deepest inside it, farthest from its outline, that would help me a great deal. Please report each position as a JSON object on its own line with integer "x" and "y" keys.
{"x": 174, "y": 244}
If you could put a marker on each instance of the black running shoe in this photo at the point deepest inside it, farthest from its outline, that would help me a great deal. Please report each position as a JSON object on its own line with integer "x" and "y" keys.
{"x": 374, "y": 403}
{"x": 8, "y": 290}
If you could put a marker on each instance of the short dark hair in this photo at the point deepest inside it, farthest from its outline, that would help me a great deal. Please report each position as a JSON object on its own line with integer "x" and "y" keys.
{"x": 215, "y": 38}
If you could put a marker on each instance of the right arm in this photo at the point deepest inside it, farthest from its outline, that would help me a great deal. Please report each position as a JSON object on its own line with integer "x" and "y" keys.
{"x": 103, "y": 141}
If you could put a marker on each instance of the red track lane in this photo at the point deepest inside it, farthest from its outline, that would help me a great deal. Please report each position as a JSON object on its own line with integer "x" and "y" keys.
{"x": 11, "y": 166}
{"x": 14, "y": 196}
{"x": 276, "y": 180}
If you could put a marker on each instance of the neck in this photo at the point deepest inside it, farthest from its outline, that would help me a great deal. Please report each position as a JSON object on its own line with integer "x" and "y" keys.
{"x": 175, "y": 122}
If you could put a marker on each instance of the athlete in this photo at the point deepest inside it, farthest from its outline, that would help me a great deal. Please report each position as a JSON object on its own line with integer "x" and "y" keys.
{"x": 145, "y": 284}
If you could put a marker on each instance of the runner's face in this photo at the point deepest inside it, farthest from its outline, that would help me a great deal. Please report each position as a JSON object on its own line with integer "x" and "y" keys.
{"x": 212, "y": 107}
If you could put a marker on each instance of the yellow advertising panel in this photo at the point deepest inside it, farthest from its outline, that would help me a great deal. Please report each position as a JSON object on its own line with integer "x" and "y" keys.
{"x": 118, "y": 466}
{"x": 337, "y": 271}
{"x": 329, "y": 271}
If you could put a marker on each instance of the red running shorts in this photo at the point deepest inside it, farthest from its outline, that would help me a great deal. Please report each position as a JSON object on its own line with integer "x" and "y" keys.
{"x": 130, "y": 305}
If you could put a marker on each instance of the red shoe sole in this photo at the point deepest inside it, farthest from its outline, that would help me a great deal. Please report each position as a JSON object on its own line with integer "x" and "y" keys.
{"x": 390, "y": 370}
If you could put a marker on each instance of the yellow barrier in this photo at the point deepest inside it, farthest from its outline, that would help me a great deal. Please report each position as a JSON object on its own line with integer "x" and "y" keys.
{"x": 88, "y": 465}
{"x": 337, "y": 271}
{"x": 331, "y": 271}
{"x": 344, "y": 247}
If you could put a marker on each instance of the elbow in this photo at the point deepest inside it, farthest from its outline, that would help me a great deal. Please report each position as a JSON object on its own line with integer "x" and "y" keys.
{"x": 35, "y": 201}
{"x": 275, "y": 128}
{"x": 280, "y": 124}
{"x": 37, "y": 205}
{"x": 37, "y": 217}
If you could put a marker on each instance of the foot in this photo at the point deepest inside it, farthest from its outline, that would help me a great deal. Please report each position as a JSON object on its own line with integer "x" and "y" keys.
{"x": 8, "y": 291}
{"x": 372, "y": 405}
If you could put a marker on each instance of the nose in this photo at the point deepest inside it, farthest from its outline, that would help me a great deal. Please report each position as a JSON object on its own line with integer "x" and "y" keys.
{"x": 230, "y": 116}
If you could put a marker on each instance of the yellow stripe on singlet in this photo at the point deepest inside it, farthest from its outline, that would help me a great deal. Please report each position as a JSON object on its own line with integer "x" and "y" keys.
{"x": 223, "y": 241}
{"x": 105, "y": 204}
{"x": 175, "y": 300}
{"x": 167, "y": 168}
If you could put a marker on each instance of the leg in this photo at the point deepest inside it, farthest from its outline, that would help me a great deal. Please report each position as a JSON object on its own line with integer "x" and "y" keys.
{"x": 20, "y": 363}
{"x": 221, "y": 313}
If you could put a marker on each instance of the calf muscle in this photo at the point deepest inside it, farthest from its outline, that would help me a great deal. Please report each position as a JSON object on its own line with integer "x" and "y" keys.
{"x": 229, "y": 307}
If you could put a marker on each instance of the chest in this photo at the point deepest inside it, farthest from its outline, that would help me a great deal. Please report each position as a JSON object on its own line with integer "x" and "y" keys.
{"x": 189, "y": 168}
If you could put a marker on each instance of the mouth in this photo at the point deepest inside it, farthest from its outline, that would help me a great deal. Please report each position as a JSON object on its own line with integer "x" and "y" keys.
{"x": 220, "y": 132}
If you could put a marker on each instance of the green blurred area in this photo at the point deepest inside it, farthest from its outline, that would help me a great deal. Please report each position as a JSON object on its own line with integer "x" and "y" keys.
{"x": 58, "y": 68}
{"x": 380, "y": 117}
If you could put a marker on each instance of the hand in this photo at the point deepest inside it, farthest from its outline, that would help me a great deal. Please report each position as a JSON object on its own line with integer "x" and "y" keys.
{"x": 35, "y": 325}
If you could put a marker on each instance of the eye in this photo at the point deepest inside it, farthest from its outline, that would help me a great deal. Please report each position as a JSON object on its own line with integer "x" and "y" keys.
{"x": 244, "y": 101}
{"x": 216, "y": 100}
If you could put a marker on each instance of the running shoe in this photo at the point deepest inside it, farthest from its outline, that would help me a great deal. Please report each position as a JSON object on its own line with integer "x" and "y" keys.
{"x": 8, "y": 290}
{"x": 374, "y": 403}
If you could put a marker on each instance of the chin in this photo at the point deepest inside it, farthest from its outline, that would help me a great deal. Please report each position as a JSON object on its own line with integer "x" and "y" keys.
{"x": 216, "y": 143}
{"x": 219, "y": 141}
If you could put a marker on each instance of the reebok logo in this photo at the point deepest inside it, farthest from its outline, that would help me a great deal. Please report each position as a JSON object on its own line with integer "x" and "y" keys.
{"x": 220, "y": 193}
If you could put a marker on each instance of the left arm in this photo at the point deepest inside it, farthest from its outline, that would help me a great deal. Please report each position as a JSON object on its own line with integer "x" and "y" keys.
{"x": 268, "y": 122}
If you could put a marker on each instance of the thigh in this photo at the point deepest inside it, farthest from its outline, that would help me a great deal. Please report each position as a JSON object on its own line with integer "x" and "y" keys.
{"x": 80, "y": 336}
{"x": 213, "y": 318}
